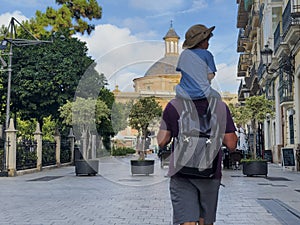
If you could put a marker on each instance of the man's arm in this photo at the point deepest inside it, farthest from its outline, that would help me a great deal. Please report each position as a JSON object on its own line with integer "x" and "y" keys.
{"x": 163, "y": 138}
{"x": 230, "y": 141}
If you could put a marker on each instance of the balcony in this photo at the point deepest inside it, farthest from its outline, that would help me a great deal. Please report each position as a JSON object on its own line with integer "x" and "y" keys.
{"x": 254, "y": 86}
{"x": 277, "y": 37}
{"x": 270, "y": 90}
{"x": 261, "y": 14}
{"x": 243, "y": 14}
{"x": 242, "y": 41}
{"x": 260, "y": 71}
{"x": 285, "y": 88}
{"x": 254, "y": 15}
{"x": 290, "y": 21}
{"x": 243, "y": 64}
{"x": 243, "y": 88}
{"x": 295, "y": 9}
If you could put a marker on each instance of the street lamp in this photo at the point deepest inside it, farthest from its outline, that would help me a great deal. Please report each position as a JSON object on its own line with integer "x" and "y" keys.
{"x": 266, "y": 55}
{"x": 286, "y": 62}
{"x": 11, "y": 39}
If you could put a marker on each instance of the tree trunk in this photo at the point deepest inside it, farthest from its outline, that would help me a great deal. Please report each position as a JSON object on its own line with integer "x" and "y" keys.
{"x": 254, "y": 129}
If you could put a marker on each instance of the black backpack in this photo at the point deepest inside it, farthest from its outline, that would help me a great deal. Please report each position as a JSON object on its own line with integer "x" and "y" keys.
{"x": 196, "y": 148}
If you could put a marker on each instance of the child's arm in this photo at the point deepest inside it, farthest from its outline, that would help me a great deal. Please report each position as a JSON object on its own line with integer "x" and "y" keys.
{"x": 210, "y": 76}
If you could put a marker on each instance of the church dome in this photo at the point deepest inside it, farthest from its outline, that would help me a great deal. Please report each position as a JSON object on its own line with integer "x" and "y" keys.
{"x": 166, "y": 65}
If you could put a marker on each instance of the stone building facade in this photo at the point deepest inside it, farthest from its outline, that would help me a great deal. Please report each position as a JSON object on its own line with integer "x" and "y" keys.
{"x": 272, "y": 25}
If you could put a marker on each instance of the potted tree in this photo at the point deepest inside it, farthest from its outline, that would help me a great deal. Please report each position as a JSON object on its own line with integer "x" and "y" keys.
{"x": 144, "y": 112}
{"x": 254, "y": 111}
{"x": 84, "y": 114}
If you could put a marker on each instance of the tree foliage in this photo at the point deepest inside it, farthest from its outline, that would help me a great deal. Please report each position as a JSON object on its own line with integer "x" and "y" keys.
{"x": 71, "y": 17}
{"x": 120, "y": 114}
{"x": 84, "y": 112}
{"x": 44, "y": 77}
{"x": 143, "y": 112}
{"x": 239, "y": 113}
{"x": 258, "y": 107}
{"x": 255, "y": 110}
{"x": 26, "y": 128}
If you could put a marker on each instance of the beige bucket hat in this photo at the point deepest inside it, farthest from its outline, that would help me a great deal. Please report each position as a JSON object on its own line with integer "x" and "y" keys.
{"x": 196, "y": 34}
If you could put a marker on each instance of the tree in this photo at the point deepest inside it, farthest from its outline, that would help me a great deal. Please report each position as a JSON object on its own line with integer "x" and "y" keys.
{"x": 120, "y": 114}
{"x": 105, "y": 129}
{"x": 71, "y": 17}
{"x": 256, "y": 109}
{"x": 83, "y": 114}
{"x": 239, "y": 114}
{"x": 44, "y": 77}
{"x": 142, "y": 113}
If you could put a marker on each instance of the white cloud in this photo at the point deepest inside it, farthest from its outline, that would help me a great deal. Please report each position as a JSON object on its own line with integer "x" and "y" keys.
{"x": 135, "y": 23}
{"x": 225, "y": 79}
{"x": 6, "y": 17}
{"x": 106, "y": 38}
{"x": 120, "y": 55}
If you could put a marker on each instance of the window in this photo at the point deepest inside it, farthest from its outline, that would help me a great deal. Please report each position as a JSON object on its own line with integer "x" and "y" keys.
{"x": 291, "y": 128}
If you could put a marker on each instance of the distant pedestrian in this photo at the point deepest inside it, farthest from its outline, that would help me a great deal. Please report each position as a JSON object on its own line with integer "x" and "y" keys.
{"x": 197, "y": 65}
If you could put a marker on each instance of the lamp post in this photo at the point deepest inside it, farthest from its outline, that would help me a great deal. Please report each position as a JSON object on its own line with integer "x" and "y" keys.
{"x": 11, "y": 40}
{"x": 285, "y": 62}
{"x": 266, "y": 56}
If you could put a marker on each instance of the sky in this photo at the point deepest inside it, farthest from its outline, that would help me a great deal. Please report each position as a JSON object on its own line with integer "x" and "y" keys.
{"x": 128, "y": 38}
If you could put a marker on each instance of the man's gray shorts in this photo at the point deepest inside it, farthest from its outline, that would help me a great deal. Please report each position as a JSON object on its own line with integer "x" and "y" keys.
{"x": 193, "y": 199}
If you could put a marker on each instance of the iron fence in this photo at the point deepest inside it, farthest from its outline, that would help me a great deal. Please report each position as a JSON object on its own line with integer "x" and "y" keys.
{"x": 26, "y": 155}
{"x": 2, "y": 160}
{"x": 65, "y": 151}
{"x": 49, "y": 153}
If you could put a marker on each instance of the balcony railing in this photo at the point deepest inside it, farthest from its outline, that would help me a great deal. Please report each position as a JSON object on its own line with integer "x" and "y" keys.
{"x": 290, "y": 15}
{"x": 261, "y": 10}
{"x": 260, "y": 71}
{"x": 243, "y": 64}
{"x": 296, "y": 8}
{"x": 285, "y": 88}
{"x": 254, "y": 16}
{"x": 277, "y": 37}
{"x": 252, "y": 75}
{"x": 242, "y": 39}
{"x": 270, "y": 90}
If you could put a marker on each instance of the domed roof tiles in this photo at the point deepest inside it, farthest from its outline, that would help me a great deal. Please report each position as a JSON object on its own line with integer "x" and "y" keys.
{"x": 166, "y": 65}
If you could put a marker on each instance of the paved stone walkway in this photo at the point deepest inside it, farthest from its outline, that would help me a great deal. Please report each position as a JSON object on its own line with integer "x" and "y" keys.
{"x": 59, "y": 197}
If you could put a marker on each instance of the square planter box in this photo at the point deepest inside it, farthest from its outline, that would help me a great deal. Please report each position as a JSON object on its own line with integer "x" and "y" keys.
{"x": 145, "y": 167}
{"x": 86, "y": 167}
{"x": 252, "y": 168}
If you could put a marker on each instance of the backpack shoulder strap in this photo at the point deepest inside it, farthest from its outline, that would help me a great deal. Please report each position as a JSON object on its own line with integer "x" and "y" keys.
{"x": 187, "y": 105}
